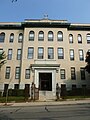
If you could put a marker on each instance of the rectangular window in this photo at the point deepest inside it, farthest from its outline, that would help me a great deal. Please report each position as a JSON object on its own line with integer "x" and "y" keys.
{"x": 73, "y": 74}
{"x": 74, "y": 87}
{"x": 60, "y": 53}
{"x": 27, "y": 74}
{"x": 81, "y": 55}
{"x": 40, "y": 52}
{"x": 50, "y": 53}
{"x": 71, "y": 54}
{"x": 62, "y": 72}
{"x": 82, "y": 71}
{"x": 17, "y": 73}
{"x": 30, "y": 52}
{"x": 19, "y": 54}
{"x": 16, "y": 86}
{"x": 9, "y": 54}
{"x": 7, "y": 75}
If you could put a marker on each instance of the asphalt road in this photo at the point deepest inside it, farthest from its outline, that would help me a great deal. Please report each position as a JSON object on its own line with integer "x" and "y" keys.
{"x": 61, "y": 112}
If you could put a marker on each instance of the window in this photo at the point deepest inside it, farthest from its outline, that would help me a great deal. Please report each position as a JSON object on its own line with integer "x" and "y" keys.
{"x": 27, "y": 74}
{"x": 60, "y": 53}
{"x": 73, "y": 75}
{"x": 60, "y": 36}
{"x": 40, "y": 52}
{"x": 74, "y": 87}
{"x": 11, "y": 37}
{"x": 62, "y": 72}
{"x": 31, "y": 36}
{"x": 82, "y": 71}
{"x": 20, "y": 38}
{"x": 30, "y": 52}
{"x": 81, "y": 55}
{"x": 17, "y": 73}
{"x": 2, "y": 37}
{"x": 9, "y": 54}
{"x": 79, "y": 38}
{"x": 41, "y": 36}
{"x": 88, "y": 38}
{"x": 19, "y": 54}
{"x": 7, "y": 75}
{"x": 50, "y": 36}
{"x": 71, "y": 54}
{"x": 16, "y": 86}
{"x": 50, "y": 53}
{"x": 70, "y": 38}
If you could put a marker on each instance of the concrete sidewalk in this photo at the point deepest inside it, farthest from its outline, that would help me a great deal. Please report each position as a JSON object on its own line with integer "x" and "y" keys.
{"x": 49, "y": 103}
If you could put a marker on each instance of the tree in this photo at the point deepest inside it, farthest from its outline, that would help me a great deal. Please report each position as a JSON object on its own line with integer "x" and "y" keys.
{"x": 2, "y": 59}
{"x": 87, "y": 67}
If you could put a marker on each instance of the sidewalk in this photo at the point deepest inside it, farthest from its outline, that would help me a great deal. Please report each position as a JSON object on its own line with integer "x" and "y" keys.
{"x": 49, "y": 103}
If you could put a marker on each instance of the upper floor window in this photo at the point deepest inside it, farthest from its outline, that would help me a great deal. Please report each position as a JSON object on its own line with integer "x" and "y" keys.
{"x": 82, "y": 71}
{"x": 50, "y": 53}
{"x": 9, "y": 57}
{"x": 19, "y": 54}
{"x": 50, "y": 36}
{"x": 79, "y": 38}
{"x": 60, "y": 53}
{"x": 17, "y": 73}
{"x": 30, "y": 52}
{"x": 71, "y": 54}
{"x": 20, "y": 38}
{"x": 7, "y": 75}
{"x": 62, "y": 72}
{"x": 73, "y": 74}
{"x": 41, "y": 36}
{"x": 40, "y": 53}
{"x": 81, "y": 55}
{"x": 88, "y": 38}
{"x": 31, "y": 35}
{"x": 11, "y": 37}
{"x": 60, "y": 36}
{"x": 27, "y": 74}
{"x": 70, "y": 38}
{"x": 2, "y": 37}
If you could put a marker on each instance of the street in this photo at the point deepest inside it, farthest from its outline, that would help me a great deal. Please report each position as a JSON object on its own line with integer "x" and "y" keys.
{"x": 61, "y": 112}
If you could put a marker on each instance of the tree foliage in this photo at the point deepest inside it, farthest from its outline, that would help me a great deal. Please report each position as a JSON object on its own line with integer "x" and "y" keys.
{"x": 2, "y": 58}
{"x": 87, "y": 67}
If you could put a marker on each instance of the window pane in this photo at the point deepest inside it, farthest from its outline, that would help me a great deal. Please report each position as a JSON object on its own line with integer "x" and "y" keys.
{"x": 70, "y": 38}
{"x": 41, "y": 36}
{"x": 9, "y": 54}
{"x": 50, "y": 36}
{"x": 40, "y": 53}
{"x": 17, "y": 73}
{"x": 31, "y": 36}
{"x": 82, "y": 71}
{"x": 79, "y": 38}
{"x": 60, "y": 36}
{"x": 88, "y": 38}
{"x": 27, "y": 74}
{"x": 20, "y": 38}
{"x": 81, "y": 55}
{"x": 2, "y": 37}
{"x": 30, "y": 52}
{"x": 7, "y": 75}
{"x": 11, "y": 37}
{"x": 60, "y": 53}
{"x": 19, "y": 54}
{"x": 73, "y": 75}
{"x": 62, "y": 72}
{"x": 71, "y": 54}
{"x": 50, "y": 53}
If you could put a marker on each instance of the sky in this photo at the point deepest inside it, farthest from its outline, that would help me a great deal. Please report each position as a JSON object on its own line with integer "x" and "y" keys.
{"x": 75, "y": 11}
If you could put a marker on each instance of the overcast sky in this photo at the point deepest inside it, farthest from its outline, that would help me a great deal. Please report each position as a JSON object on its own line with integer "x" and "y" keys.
{"x": 75, "y": 11}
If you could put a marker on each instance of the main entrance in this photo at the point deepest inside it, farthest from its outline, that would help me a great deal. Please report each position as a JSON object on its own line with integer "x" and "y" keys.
{"x": 45, "y": 81}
